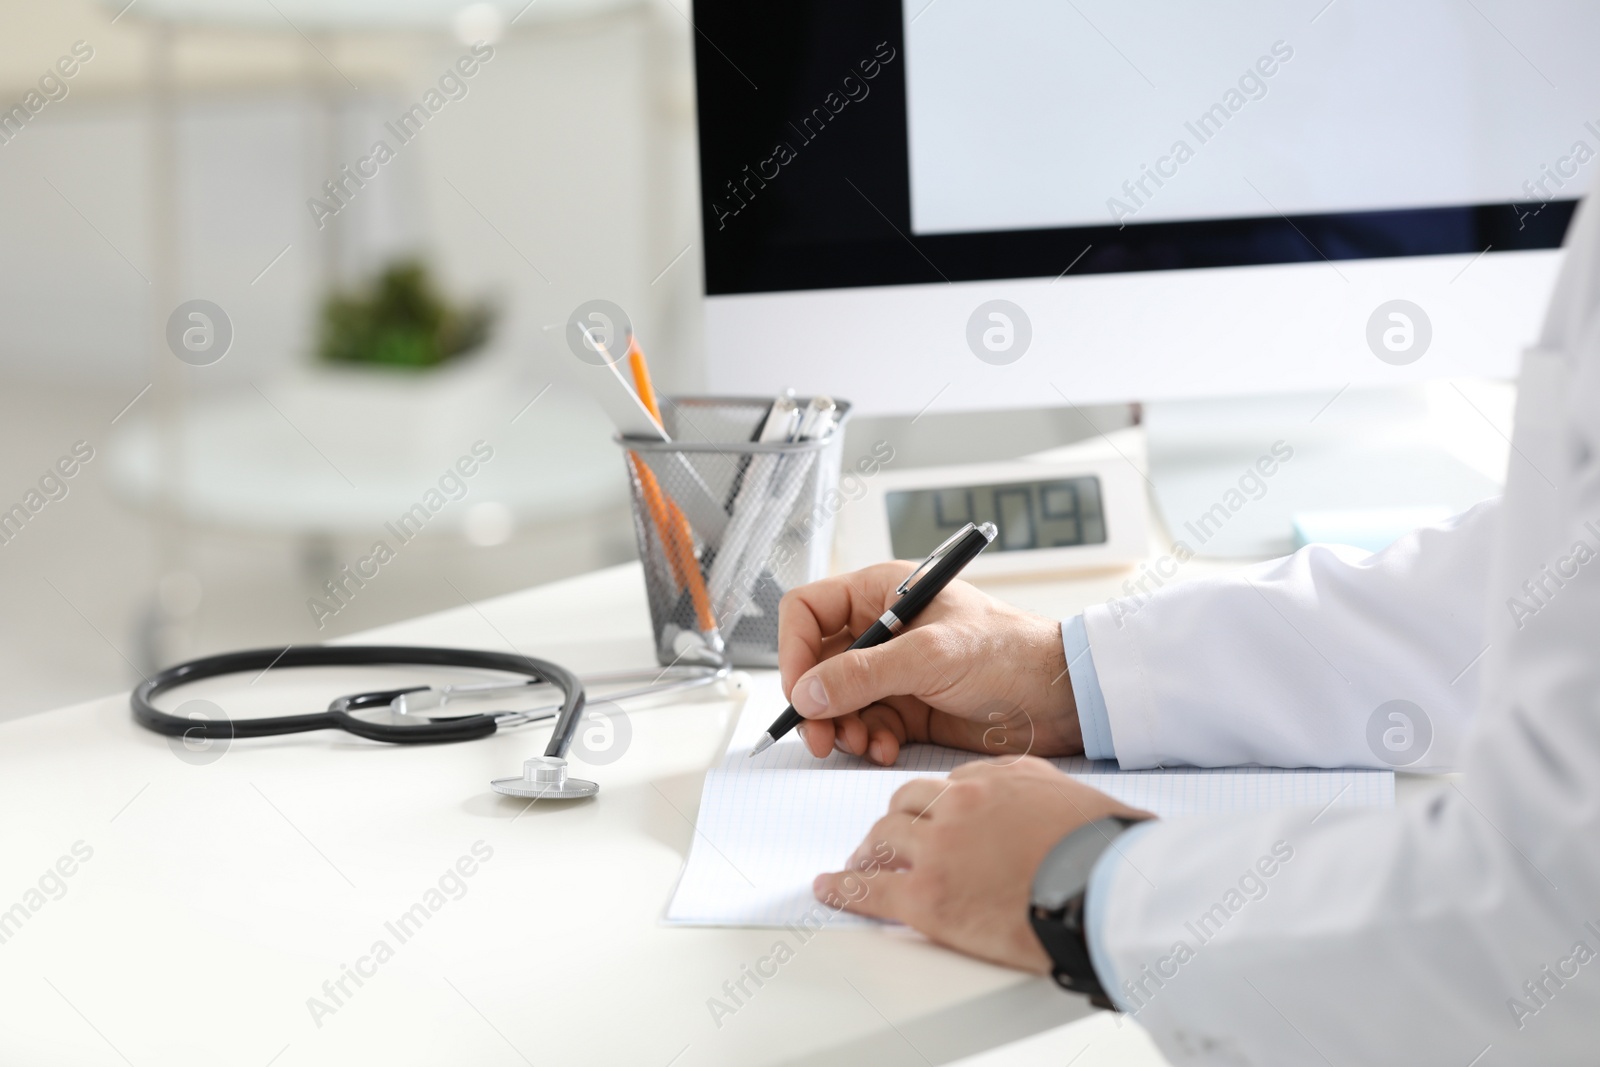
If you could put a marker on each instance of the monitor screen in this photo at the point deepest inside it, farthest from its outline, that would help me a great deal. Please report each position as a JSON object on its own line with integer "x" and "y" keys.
{"x": 1025, "y": 114}
{"x": 1157, "y": 201}
{"x": 870, "y": 142}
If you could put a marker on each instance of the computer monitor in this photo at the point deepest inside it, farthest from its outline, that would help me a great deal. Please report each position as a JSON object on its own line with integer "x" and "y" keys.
{"x": 967, "y": 204}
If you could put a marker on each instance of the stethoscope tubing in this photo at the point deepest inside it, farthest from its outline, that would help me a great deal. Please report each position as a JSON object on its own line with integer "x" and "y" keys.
{"x": 656, "y": 687}
{"x": 464, "y": 728}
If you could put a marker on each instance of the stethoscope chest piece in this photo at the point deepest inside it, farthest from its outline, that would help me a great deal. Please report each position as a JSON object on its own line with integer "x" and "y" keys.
{"x": 545, "y": 778}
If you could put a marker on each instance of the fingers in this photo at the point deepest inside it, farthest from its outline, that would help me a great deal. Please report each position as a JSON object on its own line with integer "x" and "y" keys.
{"x": 876, "y": 733}
{"x": 817, "y": 736}
{"x": 860, "y": 677}
{"x": 888, "y": 843}
{"x": 810, "y": 614}
{"x": 1031, "y": 765}
{"x": 847, "y": 733}
{"x": 872, "y": 883}
{"x": 916, "y": 797}
{"x": 1087, "y": 802}
{"x": 886, "y": 732}
{"x": 880, "y": 896}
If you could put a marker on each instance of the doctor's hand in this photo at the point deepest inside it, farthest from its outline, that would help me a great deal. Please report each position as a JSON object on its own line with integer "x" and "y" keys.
{"x": 970, "y": 672}
{"x": 954, "y": 858}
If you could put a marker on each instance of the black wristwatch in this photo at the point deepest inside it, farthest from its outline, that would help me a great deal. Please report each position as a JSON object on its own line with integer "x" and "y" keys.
{"x": 1056, "y": 906}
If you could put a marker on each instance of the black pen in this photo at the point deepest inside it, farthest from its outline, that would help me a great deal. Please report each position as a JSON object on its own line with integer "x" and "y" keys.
{"x": 942, "y": 564}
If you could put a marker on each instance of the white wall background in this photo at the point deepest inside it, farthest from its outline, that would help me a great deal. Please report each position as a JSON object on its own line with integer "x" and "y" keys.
{"x": 572, "y": 157}
{"x": 573, "y": 151}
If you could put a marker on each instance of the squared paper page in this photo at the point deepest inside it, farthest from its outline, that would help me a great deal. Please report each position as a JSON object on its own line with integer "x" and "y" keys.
{"x": 770, "y": 824}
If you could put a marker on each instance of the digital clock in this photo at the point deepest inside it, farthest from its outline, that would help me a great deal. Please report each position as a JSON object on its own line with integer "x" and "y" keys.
{"x": 1053, "y": 513}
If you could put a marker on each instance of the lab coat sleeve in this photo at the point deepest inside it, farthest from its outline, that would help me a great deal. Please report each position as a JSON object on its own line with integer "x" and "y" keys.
{"x": 1427, "y": 934}
{"x": 1464, "y": 926}
{"x": 1094, "y": 722}
{"x": 1288, "y": 662}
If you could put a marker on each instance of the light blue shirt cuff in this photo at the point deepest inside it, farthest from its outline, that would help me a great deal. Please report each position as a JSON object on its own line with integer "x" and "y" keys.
{"x": 1106, "y": 869}
{"x": 1093, "y": 719}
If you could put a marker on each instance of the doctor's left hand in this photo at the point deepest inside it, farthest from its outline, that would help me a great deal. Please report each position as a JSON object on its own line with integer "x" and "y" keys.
{"x": 954, "y": 858}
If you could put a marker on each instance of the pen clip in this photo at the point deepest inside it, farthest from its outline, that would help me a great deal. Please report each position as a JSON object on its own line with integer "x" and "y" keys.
{"x": 934, "y": 556}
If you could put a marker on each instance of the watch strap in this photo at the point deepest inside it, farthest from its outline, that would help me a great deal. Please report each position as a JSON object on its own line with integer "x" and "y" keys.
{"x": 1062, "y": 930}
{"x": 1063, "y": 939}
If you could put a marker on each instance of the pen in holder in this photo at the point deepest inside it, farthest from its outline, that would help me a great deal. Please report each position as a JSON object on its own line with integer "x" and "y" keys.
{"x": 727, "y": 524}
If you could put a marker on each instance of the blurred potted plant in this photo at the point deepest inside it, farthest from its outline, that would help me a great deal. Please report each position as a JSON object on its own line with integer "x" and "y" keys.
{"x": 392, "y": 385}
{"x": 400, "y": 320}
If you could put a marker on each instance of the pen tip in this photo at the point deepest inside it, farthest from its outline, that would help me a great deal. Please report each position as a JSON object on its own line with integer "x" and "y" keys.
{"x": 761, "y": 745}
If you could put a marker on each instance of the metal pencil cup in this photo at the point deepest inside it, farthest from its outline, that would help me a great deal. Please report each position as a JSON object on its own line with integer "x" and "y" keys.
{"x": 726, "y": 526}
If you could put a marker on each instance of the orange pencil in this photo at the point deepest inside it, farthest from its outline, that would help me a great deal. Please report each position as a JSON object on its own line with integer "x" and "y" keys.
{"x": 641, "y": 380}
{"x": 656, "y": 504}
{"x": 675, "y": 532}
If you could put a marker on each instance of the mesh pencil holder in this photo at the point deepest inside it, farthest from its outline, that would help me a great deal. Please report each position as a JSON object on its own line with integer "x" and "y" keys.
{"x": 726, "y": 525}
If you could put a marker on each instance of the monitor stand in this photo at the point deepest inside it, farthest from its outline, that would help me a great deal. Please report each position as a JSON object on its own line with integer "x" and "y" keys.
{"x": 1233, "y": 477}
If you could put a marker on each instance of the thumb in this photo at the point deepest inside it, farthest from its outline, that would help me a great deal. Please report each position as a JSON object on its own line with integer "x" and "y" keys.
{"x": 856, "y": 678}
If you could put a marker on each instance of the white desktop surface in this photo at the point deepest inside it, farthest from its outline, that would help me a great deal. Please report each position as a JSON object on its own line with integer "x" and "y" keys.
{"x": 220, "y": 897}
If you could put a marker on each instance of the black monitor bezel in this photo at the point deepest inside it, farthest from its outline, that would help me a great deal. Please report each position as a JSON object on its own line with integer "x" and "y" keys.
{"x": 838, "y": 215}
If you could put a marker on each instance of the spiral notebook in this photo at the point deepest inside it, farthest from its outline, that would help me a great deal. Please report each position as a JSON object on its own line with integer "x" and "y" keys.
{"x": 769, "y": 825}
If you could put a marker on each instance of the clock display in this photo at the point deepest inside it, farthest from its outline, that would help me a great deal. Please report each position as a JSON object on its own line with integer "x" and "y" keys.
{"x": 1059, "y": 513}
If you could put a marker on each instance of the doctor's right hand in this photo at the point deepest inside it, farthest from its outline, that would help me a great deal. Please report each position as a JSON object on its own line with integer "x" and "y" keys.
{"x": 970, "y": 672}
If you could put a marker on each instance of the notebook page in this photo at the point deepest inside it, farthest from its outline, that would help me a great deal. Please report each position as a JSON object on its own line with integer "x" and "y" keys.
{"x": 770, "y": 824}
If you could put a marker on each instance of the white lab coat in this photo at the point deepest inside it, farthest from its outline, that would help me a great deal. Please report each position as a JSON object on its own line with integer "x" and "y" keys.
{"x": 1462, "y": 926}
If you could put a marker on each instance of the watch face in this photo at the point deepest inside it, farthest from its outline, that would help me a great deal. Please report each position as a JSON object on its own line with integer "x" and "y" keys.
{"x": 1064, "y": 872}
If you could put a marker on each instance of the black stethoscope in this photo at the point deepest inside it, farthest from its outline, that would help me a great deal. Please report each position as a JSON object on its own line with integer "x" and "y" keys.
{"x": 415, "y": 714}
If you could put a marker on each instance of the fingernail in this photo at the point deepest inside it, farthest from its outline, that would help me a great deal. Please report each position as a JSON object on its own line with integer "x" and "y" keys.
{"x": 810, "y": 698}
{"x": 876, "y": 749}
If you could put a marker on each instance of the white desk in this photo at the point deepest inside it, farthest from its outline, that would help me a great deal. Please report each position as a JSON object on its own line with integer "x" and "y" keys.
{"x": 220, "y": 897}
